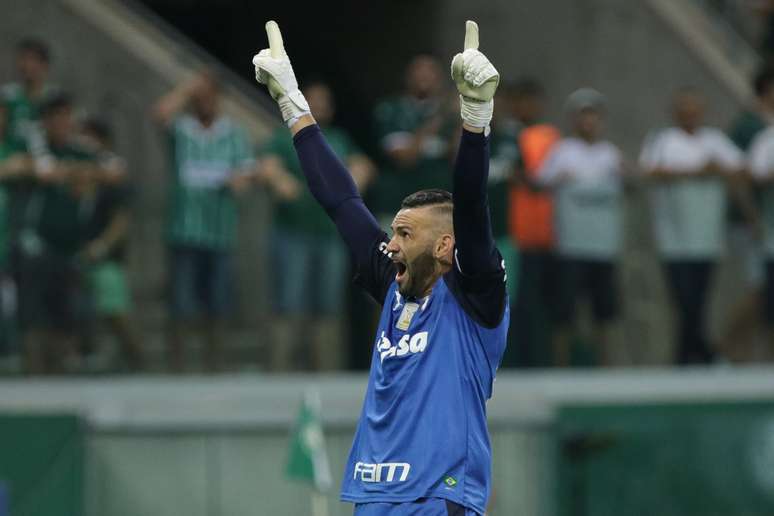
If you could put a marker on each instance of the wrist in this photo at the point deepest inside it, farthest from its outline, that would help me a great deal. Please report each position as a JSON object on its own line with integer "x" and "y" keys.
{"x": 293, "y": 106}
{"x": 476, "y": 113}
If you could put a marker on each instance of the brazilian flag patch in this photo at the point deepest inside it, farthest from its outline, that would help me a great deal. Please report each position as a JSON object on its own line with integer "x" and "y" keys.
{"x": 450, "y": 481}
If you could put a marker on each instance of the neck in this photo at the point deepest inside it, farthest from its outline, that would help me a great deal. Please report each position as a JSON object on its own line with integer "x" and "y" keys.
{"x": 440, "y": 270}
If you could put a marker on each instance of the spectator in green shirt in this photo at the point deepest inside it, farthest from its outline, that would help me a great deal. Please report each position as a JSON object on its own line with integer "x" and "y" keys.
{"x": 23, "y": 98}
{"x": 310, "y": 264}
{"x": 53, "y": 303}
{"x": 414, "y": 132}
{"x": 107, "y": 231}
{"x": 14, "y": 163}
{"x": 211, "y": 164}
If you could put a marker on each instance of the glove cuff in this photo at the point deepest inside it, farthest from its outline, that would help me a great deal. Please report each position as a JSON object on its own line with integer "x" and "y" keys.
{"x": 476, "y": 113}
{"x": 293, "y": 106}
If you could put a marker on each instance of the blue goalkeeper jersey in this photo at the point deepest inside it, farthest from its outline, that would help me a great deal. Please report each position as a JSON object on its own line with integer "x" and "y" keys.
{"x": 422, "y": 431}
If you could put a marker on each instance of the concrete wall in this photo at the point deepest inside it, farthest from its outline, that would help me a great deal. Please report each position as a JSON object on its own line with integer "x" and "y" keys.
{"x": 243, "y": 474}
{"x": 217, "y": 446}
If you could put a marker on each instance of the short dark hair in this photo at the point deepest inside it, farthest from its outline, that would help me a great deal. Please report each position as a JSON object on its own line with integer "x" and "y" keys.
{"x": 55, "y": 103}
{"x": 430, "y": 197}
{"x": 763, "y": 80}
{"x": 100, "y": 128}
{"x": 34, "y": 46}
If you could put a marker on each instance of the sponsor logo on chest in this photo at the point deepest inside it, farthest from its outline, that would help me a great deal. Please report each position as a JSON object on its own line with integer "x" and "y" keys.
{"x": 415, "y": 343}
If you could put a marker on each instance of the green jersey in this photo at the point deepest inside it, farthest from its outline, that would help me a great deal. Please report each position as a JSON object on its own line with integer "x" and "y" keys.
{"x": 7, "y": 150}
{"x": 202, "y": 208}
{"x": 23, "y": 112}
{"x": 305, "y": 214}
{"x": 58, "y": 211}
{"x": 396, "y": 121}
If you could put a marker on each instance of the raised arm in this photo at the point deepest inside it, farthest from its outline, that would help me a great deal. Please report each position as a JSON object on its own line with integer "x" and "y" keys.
{"x": 478, "y": 277}
{"x": 332, "y": 185}
{"x": 476, "y": 81}
{"x": 174, "y": 101}
{"x": 328, "y": 179}
{"x": 475, "y": 246}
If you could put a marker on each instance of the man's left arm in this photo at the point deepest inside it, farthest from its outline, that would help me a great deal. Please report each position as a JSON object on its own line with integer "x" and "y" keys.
{"x": 479, "y": 276}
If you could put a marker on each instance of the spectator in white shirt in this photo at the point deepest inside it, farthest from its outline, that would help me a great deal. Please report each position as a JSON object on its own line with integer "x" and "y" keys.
{"x": 689, "y": 165}
{"x": 585, "y": 172}
{"x": 761, "y": 167}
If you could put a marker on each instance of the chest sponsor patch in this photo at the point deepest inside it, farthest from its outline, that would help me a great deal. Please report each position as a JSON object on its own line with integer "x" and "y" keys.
{"x": 407, "y": 344}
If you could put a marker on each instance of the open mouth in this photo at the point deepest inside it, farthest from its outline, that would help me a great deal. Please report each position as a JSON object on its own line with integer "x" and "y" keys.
{"x": 401, "y": 270}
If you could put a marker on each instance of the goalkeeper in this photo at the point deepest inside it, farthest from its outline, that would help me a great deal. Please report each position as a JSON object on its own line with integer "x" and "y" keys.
{"x": 421, "y": 445}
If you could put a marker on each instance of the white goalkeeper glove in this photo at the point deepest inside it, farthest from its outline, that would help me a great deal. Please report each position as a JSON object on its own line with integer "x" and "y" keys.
{"x": 273, "y": 68}
{"x": 476, "y": 80}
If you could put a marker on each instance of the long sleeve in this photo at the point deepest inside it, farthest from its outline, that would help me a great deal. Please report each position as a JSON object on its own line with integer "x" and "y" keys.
{"x": 475, "y": 247}
{"x": 478, "y": 276}
{"x": 332, "y": 185}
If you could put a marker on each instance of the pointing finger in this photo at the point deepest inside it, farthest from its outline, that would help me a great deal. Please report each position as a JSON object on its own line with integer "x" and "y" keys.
{"x": 471, "y": 34}
{"x": 275, "y": 39}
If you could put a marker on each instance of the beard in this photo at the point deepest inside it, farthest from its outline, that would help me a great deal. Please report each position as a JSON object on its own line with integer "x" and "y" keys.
{"x": 420, "y": 273}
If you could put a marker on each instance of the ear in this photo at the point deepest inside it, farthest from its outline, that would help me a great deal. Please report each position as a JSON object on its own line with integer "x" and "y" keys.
{"x": 444, "y": 247}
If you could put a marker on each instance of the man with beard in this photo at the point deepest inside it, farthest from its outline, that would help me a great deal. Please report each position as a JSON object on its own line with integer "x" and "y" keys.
{"x": 422, "y": 444}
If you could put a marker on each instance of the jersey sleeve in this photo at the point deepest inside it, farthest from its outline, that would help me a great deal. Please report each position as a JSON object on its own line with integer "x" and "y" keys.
{"x": 477, "y": 278}
{"x": 331, "y": 185}
{"x": 375, "y": 270}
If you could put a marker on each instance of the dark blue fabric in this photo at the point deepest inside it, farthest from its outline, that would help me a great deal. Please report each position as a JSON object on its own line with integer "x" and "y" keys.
{"x": 422, "y": 432}
{"x": 332, "y": 185}
{"x": 476, "y": 250}
{"x": 201, "y": 283}
{"x": 478, "y": 282}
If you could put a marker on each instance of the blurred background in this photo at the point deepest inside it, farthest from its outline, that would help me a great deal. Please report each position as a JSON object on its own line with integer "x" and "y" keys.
{"x": 170, "y": 294}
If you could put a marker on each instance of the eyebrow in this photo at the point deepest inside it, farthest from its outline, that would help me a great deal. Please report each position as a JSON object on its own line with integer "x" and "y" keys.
{"x": 399, "y": 226}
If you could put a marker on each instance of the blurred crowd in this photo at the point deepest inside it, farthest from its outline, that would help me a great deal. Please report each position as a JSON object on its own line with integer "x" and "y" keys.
{"x": 557, "y": 201}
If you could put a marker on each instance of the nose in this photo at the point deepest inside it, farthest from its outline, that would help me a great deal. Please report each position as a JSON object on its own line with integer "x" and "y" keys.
{"x": 392, "y": 246}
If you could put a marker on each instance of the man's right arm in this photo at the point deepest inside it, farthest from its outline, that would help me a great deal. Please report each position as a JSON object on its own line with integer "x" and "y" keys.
{"x": 332, "y": 185}
{"x": 329, "y": 181}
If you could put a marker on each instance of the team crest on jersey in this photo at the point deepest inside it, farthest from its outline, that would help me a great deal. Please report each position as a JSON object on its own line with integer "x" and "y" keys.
{"x": 409, "y": 309}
